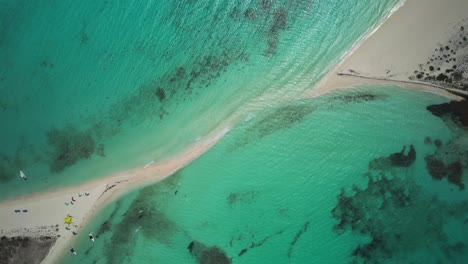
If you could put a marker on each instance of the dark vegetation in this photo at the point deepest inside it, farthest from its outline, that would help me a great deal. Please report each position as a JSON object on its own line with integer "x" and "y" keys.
{"x": 448, "y": 65}
{"x": 25, "y": 250}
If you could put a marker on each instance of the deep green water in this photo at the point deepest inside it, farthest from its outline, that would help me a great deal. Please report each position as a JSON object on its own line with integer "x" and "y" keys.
{"x": 88, "y": 88}
{"x": 271, "y": 191}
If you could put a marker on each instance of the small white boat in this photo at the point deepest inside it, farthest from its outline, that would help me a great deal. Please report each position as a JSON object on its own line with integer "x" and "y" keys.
{"x": 90, "y": 235}
{"x": 23, "y": 176}
{"x": 138, "y": 229}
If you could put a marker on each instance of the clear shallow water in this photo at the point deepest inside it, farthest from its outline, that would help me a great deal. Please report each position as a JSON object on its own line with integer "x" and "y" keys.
{"x": 88, "y": 89}
{"x": 271, "y": 191}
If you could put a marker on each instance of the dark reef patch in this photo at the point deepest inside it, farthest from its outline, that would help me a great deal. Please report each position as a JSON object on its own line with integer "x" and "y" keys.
{"x": 245, "y": 197}
{"x": 161, "y": 94}
{"x": 296, "y": 238}
{"x": 207, "y": 255}
{"x": 456, "y": 110}
{"x": 449, "y": 160}
{"x": 100, "y": 151}
{"x": 278, "y": 24}
{"x": 259, "y": 243}
{"x": 435, "y": 167}
{"x": 250, "y": 14}
{"x": 84, "y": 38}
{"x": 147, "y": 216}
{"x": 279, "y": 119}
{"x": 399, "y": 216}
{"x": 69, "y": 145}
{"x": 402, "y": 160}
{"x": 427, "y": 140}
{"x": 357, "y": 98}
{"x": 455, "y": 173}
{"x": 106, "y": 225}
{"x": 439, "y": 170}
{"x": 399, "y": 159}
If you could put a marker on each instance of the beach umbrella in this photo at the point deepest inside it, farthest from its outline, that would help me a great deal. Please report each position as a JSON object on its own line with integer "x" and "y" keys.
{"x": 68, "y": 219}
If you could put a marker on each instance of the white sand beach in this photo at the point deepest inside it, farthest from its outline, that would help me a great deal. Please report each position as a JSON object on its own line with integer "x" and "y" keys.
{"x": 387, "y": 56}
{"x": 391, "y": 54}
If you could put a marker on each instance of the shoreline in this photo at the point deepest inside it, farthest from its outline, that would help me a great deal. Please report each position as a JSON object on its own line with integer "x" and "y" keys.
{"x": 49, "y": 208}
{"x": 405, "y": 44}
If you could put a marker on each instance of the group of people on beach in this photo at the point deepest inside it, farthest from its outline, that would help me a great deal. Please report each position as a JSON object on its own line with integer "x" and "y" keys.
{"x": 91, "y": 237}
{"x": 73, "y": 200}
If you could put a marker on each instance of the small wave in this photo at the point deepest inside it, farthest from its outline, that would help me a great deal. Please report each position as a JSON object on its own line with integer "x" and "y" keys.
{"x": 249, "y": 117}
{"x": 147, "y": 165}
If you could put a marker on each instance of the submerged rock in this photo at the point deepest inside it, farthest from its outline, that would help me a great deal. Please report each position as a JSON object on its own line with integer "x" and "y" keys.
{"x": 457, "y": 110}
{"x": 399, "y": 215}
{"x": 207, "y": 255}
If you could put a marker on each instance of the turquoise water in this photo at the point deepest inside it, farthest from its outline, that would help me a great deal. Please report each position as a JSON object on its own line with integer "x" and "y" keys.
{"x": 271, "y": 191}
{"x": 88, "y": 89}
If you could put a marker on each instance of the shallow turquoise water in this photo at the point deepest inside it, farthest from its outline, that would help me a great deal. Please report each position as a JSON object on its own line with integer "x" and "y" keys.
{"x": 268, "y": 192}
{"x": 88, "y": 89}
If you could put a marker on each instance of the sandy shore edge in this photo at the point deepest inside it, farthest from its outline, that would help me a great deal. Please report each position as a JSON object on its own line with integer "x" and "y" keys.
{"x": 49, "y": 209}
{"x": 402, "y": 44}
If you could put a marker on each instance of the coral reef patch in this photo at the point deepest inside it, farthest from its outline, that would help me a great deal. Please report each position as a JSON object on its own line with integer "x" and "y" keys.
{"x": 69, "y": 145}
{"x": 398, "y": 216}
{"x": 207, "y": 255}
{"x": 244, "y": 197}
